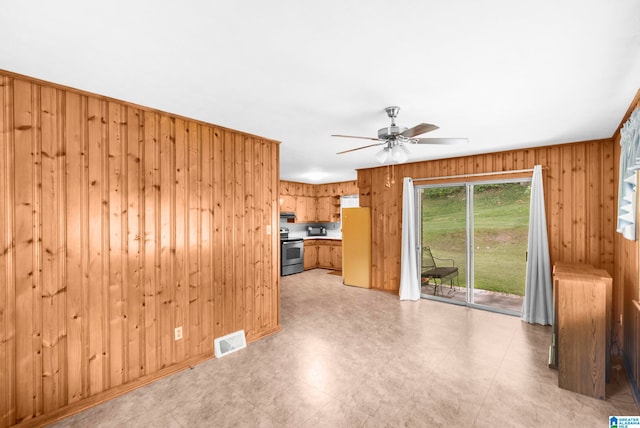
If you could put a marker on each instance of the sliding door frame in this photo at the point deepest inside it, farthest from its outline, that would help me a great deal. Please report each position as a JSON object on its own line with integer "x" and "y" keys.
{"x": 469, "y": 245}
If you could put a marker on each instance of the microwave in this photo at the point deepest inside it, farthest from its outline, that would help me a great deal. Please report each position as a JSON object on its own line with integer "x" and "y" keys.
{"x": 316, "y": 231}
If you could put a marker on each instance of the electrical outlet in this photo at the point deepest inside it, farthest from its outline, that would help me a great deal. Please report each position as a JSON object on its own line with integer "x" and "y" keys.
{"x": 620, "y": 319}
{"x": 268, "y": 229}
{"x": 177, "y": 333}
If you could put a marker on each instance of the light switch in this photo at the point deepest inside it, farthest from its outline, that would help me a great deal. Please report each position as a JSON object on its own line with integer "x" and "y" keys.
{"x": 268, "y": 229}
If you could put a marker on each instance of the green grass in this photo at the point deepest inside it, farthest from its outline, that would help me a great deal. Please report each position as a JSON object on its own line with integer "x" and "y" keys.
{"x": 500, "y": 232}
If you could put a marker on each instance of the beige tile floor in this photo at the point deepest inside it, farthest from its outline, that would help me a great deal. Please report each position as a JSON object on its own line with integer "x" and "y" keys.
{"x": 350, "y": 357}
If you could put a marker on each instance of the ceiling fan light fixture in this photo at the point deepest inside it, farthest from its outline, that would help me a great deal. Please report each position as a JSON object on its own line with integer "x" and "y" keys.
{"x": 383, "y": 155}
{"x": 399, "y": 154}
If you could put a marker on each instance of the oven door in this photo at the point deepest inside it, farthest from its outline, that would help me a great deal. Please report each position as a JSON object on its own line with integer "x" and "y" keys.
{"x": 292, "y": 252}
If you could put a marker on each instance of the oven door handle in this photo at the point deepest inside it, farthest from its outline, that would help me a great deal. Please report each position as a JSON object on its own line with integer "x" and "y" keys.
{"x": 291, "y": 242}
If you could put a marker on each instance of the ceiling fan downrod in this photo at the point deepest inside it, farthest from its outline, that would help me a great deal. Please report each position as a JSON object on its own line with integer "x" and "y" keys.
{"x": 392, "y": 112}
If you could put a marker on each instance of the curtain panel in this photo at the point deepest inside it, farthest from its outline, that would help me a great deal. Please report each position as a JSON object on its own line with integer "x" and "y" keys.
{"x": 629, "y": 163}
{"x": 409, "y": 284}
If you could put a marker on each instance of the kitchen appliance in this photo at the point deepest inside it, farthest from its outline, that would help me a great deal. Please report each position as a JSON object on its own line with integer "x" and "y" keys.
{"x": 356, "y": 246}
{"x": 316, "y": 231}
{"x": 291, "y": 253}
{"x": 288, "y": 216}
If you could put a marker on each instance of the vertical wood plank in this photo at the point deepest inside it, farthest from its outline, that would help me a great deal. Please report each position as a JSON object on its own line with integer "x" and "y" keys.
{"x": 24, "y": 208}
{"x": 134, "y": 218}
{"x": 151, "y": 164}
{"x": 53, "y": 254}
{"x": 96, "y": 298}
{"x": 205, "y": 293}
{"x": 217, "y": 165}
{"x": 193, "y": 241}
{"x": 579, "y": 201}
{"x": 228, "y": 290}
{"x": 239, "y": 248}
{"x": 76, "y": 238}
{"x": 116, "y": 244}
{"x": 261, "y": 217}
{"x": 180, "y": 234}
{"x": 7, "y": 256}
{"x": 167, "y": 239}
{"x": 249, "y": 235}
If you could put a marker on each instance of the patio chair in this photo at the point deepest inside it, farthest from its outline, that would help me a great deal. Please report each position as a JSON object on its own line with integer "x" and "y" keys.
{"x": 432, "y": 273}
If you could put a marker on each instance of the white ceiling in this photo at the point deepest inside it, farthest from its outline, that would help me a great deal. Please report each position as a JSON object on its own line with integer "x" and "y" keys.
{"x": 504, "y": 73}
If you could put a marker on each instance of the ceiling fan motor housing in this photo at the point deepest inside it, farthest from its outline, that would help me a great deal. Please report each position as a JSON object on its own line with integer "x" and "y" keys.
{"x": 390, "y": 131}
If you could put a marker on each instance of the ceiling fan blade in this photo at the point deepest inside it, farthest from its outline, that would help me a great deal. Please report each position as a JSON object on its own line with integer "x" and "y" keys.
{"x": 441, "y": 140}
{"x": 352, "y": 136}
{"x": 419, "y": 129}
{"x": 359, "y": 148}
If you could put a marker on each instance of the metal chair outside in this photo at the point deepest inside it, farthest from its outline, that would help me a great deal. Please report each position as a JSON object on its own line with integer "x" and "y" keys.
{"x": 437, "y": 275}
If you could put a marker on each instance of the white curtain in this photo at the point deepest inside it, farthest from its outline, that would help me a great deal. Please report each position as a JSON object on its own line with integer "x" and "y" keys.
{"x": 538, "y": 300}
{"x": 409, "y": 285}
{"x": 629, "y": 162}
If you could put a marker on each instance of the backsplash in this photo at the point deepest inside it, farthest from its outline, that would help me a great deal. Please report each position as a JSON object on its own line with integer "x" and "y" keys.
{"x": 302, "y": 227}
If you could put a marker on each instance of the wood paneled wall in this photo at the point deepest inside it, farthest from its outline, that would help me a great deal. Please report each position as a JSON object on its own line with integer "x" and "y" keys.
{"x": 117, "y": 224}
{"x": 579, "y": 188}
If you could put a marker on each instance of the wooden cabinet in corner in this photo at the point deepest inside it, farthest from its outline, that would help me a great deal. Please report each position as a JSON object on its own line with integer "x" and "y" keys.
{"x": 323, "y": 253}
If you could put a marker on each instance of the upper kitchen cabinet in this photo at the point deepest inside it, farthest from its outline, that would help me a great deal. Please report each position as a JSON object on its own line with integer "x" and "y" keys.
{"x": 287, "y": 203}
{"x": 314, "y": 203}
{"x": 324, "y": 208}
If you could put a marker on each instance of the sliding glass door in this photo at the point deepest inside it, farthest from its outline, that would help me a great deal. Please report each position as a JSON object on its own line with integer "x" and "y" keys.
{"x": 473, "y": 243}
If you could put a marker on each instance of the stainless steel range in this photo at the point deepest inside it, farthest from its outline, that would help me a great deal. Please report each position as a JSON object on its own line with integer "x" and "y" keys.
{"x": 291, "y": 253}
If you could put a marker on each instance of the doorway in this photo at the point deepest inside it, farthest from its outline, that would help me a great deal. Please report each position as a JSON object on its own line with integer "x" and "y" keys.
{"x": 480, "y": 228}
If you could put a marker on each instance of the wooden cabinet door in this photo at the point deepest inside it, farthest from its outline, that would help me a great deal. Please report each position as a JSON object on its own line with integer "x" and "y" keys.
{"x": 336, "y": 255}
{"x": 301, "y": 209}
{"x": 324, "y": 208}
{"x": 310, "y": 254}
{"x": 287, "y": 203}
{"x": 312, "y": 211}
{"x": 324, "y": 254}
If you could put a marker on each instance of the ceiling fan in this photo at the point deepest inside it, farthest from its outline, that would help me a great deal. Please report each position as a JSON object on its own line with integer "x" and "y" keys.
{"x": 394, "y": 137}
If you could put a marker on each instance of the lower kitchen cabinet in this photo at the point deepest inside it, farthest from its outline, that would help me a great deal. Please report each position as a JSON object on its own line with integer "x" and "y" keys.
{"x": 323, "y": 253}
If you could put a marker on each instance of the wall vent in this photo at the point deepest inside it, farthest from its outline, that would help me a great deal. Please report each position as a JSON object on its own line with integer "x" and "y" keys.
{"x": 230, "y": 343}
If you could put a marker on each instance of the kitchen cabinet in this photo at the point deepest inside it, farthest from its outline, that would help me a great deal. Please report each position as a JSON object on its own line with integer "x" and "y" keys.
{"x": 324, "y": 254}
{"x": 314, "y": 203}
{"x": 305, "y": 209}
{"x": 324, "y": 208}
{"x": 310, "y": 254}
{"x": 287, "y": 203}
{"x": 336, "y": 255}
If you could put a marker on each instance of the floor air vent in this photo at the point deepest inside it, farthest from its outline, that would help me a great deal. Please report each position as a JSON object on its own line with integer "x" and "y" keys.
{"x": 230, "y": 343}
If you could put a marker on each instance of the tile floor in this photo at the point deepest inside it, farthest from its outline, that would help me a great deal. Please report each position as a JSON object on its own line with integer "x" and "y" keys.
{"x": 350, "y": 357}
